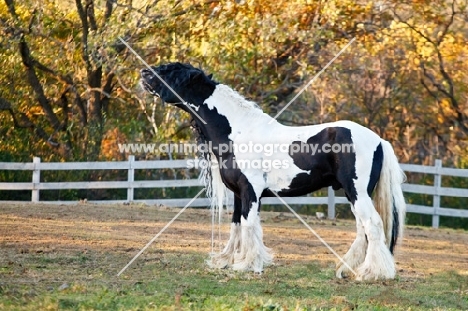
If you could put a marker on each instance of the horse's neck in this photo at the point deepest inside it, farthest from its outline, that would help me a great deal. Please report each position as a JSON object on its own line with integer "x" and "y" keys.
{"x": 236, "y": 108}
{"x": 236, "y": 119}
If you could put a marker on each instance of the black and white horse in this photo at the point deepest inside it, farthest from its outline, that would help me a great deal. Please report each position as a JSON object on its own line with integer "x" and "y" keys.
{"x": 256, "y": 157}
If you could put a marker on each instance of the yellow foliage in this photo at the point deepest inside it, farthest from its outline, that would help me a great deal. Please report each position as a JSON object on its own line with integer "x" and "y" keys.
{"x": 263, "y": 48}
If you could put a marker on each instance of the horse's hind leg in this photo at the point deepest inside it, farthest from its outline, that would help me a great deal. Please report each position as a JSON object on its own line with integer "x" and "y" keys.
{"x": 356, "y": 253}
{"x": 226, "y": 257}
{"x": 379, "y": 262}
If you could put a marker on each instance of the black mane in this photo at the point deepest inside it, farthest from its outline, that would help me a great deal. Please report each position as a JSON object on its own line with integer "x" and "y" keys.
{"x": 181, "y": 72}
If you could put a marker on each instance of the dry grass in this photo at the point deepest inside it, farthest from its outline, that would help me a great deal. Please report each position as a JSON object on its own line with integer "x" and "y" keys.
{"x": 50, "y": 251}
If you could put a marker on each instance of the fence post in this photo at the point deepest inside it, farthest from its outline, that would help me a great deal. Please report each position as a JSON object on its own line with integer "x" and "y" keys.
{"x": 36, "y": 180}
{"x": 331, "y": 203}
{"x": 131, "y": 177}
{"x": 436, "y": 200}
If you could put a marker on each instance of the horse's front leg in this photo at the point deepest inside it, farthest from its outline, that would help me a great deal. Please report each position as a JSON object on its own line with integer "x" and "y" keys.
{"x": 252, "y": 254}
{"x": 226, "y": 257}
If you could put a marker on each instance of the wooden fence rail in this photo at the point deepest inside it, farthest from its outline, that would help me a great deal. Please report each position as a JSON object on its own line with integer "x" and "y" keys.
{"x": 436, "y": 190}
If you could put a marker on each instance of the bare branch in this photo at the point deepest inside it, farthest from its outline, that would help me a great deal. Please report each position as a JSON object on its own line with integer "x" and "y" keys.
{"x": 412, "y": 27}
{"x": 21, "y": 120}
{"x": 11, "y": 8}
{"x": 85, "y": 33}
{"x": 109, "y": 9}
{"x": 91, "y": 15}
{"x": 34, "y": 82}
{"x": 447, "y": 25}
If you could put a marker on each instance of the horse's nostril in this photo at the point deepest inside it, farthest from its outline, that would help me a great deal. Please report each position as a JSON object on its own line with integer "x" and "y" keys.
{"x": 145, "y": 72}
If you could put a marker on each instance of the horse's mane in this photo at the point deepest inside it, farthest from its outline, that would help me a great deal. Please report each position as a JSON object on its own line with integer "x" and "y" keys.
{"x": 240, "y": 100}
{"x": 184, "y": 73}
{"x": 203, "y": 155}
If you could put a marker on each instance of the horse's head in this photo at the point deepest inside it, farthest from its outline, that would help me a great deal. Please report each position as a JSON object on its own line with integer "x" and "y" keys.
{"x": 188, "y": 84}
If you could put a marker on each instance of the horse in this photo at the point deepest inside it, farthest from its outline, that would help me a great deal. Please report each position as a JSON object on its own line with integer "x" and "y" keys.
{"x": 297, "y": 161}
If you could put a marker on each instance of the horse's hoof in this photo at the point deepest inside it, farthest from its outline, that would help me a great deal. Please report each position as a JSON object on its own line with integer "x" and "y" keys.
{"x": 365, "y": 273}
{"x": 342, "y": 271}
{"x": 218, "y": 261}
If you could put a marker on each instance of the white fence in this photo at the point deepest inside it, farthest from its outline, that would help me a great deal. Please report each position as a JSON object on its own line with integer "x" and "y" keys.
{"x": 131, "y": 165}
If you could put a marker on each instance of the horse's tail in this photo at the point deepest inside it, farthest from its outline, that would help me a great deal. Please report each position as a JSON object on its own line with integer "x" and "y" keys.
{"x": 389, "y": 200}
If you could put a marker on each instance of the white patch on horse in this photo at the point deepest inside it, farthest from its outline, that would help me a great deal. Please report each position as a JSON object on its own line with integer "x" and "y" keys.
{"x": 195, "y": 107}
{"x": 250, "y": 124}
{"x": 253, "y": 254}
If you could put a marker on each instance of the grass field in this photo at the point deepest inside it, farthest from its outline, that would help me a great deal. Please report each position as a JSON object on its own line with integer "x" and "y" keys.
{"x": 67, "y": 258}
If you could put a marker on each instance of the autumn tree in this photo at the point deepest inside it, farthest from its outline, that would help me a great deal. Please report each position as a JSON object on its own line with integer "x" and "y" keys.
{"x": 72, "y": 93}
{"x": 61, "y": 73}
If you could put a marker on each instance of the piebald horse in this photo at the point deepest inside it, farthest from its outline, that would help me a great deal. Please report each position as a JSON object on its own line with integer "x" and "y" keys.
{"x": 255, "y": 156}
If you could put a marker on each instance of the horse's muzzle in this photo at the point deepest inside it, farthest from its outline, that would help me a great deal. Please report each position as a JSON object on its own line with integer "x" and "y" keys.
{"x": 148, "y": 81}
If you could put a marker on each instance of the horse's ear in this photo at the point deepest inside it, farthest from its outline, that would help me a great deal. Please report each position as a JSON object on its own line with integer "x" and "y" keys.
{"x": 196, "y": 76}
{"x": 210, "y": 76}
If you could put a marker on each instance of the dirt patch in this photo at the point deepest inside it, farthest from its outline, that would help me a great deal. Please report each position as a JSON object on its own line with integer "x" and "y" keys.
{"x": 113, "y": 234}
